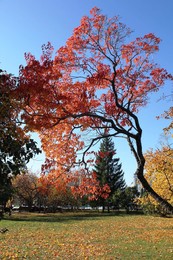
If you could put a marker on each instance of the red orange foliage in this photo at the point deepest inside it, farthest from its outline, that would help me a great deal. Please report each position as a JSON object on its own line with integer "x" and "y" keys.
{"x": 96, "y": 81}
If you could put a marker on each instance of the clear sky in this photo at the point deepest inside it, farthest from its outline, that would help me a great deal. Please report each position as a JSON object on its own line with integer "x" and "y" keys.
{"x": 27, "y": 24}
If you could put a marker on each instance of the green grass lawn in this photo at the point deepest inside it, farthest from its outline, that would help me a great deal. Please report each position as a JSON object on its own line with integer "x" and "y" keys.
{"x": 86, "y": 236}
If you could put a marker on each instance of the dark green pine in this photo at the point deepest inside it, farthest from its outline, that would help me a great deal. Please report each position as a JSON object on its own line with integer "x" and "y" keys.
{"x": 109, "y": 170}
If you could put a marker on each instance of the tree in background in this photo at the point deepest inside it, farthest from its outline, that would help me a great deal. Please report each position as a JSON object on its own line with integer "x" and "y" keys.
{"x": 98, "y": 81}
{"x": 108, "y": 171}
{"x": 158, "y": 171}
{"x": 56, "y": 193}
{"x": 127, "y": 199}
{"x": 26, "y": 189}
{"x": 16, "y": 148}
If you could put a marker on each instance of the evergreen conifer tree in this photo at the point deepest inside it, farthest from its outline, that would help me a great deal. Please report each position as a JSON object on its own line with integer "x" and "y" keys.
{"x": 109, "y": 170}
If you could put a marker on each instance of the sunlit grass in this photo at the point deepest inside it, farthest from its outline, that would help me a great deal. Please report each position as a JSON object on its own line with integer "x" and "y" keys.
{"x": 86, "y": 236}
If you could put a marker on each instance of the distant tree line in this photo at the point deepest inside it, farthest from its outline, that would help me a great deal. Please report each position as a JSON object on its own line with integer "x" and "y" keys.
{"x": 29, "y": 193}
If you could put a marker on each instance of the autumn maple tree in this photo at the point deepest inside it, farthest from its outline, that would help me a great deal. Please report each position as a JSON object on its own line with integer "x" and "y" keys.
{"x": 56, "y": 192}
{"x": 92, "y": 88}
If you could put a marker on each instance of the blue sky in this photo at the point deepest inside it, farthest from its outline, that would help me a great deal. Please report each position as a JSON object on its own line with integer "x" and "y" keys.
{"x": 27, "y": 24}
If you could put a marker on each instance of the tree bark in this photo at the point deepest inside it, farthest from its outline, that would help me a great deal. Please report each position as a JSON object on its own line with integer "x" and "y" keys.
{"x": 138, "y": 154}
{"x": 164, "y": 204}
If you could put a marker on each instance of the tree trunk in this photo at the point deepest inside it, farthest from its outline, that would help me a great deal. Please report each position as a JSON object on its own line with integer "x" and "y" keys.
{"x": 103, "y": 207}
{"x": 30, "y": 203}
{"x": 138, "y": 154}
{"x": 164, "y": 204}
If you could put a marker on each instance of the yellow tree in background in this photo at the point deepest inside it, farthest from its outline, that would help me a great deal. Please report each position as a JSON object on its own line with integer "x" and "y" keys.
{"x": 159, "y": 173}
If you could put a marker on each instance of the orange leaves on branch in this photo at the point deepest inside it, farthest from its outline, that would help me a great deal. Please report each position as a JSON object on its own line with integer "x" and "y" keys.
{"x": 94, "y": 54}
{"x": 105, "y": 154}
{"x": 52, "y": 181}
{"x": 88, "y": 185}
{"x": 141, "y": 47}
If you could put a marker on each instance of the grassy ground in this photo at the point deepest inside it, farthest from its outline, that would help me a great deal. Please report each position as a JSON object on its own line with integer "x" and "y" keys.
{"x": 86, "y": 236}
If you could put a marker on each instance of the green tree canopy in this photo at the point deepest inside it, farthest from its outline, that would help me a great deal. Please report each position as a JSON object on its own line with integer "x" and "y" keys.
{"x": 16, "y": 148}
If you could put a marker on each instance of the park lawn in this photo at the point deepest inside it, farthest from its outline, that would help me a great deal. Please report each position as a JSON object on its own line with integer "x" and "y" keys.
{"x": 86, "y": 236}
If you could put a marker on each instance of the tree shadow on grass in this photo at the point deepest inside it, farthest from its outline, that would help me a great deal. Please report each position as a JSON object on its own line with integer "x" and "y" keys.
{"x": 66, "y": 216}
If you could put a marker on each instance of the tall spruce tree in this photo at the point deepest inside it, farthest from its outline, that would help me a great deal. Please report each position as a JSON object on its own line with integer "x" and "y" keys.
{"x": 109, "y": 171}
